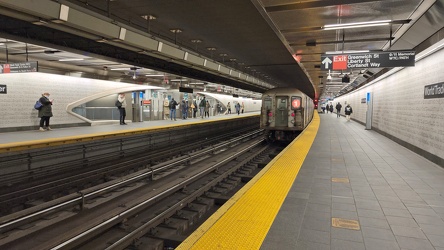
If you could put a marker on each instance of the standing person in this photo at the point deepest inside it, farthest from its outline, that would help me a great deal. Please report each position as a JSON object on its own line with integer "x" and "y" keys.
{"x": 166, "y": 108}
{"x": 45, "y": 112}
{"x": 237, "y": 107}
{"x": 184, "y": 109}
{"x": 122, "y": 108}
{"x": 242, "y": 108}
{"x": 173, "y": 104}
{"x": 323, "y": 108}
{"x": 202, "y": 105}
{"x": 218, "y": 108}
{"x": 207, "y": 109}
{"x": 348, "y": 111}
{"x": 331, "y": 108}
{"x": 338, "y": 109}
{"x": 228, "y": 108}
{"x": 193, "y": 107}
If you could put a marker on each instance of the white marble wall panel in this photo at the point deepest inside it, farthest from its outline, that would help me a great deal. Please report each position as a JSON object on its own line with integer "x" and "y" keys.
{"x": 399, "y": 107}
{"x": 25, "y": 89}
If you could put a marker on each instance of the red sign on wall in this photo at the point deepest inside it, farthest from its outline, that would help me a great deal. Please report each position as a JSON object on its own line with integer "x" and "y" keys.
{"x": 340, "y": 62}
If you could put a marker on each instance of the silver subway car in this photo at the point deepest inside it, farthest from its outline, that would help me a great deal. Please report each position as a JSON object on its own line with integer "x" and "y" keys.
{"x": 285, "y": 112}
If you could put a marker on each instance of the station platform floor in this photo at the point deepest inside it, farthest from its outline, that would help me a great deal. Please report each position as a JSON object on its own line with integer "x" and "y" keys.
{"x": 337, "y": 186}
{"x": 9, "y": 139}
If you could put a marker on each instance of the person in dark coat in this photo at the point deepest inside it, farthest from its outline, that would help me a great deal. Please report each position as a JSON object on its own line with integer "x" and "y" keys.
{"x": 45, "y": 112}
{"x": 338, "y": 109}
{"x": 173, "y": 105}
{"x": 237, "y": 107}
{"x": 184, "y": 109}
{"x": 202, "y": 105}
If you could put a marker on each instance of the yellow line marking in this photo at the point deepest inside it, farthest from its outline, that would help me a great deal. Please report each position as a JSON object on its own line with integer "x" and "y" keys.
{"x": 244, "y": 220}
{"x": 341, "y": 180}
{"x": 344, "y": 223}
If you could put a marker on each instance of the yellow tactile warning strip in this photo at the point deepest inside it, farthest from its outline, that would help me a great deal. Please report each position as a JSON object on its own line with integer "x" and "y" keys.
{"x": 244, "y": 220}
{"x": 42, "y": 143}
{"x": 344, "y": 223}
{"x": 341, "y": 180}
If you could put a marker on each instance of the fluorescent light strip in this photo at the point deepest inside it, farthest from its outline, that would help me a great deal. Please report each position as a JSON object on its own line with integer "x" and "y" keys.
{"x": 346, "y": 52}
{"x": 355, "y": 25}
{"x": 154, "y": 75}
{"x": 70, "y": 59}
{"x": 120, "y": 68}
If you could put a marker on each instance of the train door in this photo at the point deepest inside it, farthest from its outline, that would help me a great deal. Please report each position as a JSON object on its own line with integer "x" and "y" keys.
{"x": 281, "y": 119}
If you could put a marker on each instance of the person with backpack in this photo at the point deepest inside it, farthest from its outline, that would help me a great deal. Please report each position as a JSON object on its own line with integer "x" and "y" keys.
{"x": 348, "y": 111}
{"x": 173, "y": 105}
{"x": 338, "y": 109}
{"x": 202, "y": 105}
{"x": 121, "y": 105}
{"x": 45, "y": 112}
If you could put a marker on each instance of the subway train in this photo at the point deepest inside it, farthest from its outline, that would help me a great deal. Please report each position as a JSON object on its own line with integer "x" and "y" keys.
{"x": 285, "y": 112}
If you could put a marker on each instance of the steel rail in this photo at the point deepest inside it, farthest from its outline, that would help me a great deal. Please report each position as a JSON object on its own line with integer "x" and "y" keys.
{"x": 112, "y": 220}
{"x": 11, "y": 221}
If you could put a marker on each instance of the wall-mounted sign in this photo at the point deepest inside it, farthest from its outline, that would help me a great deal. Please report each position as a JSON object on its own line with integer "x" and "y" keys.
{"x": 368, "y": 60}
{"x": 146, "y": 102}
{"x": 3, "y": 89}
{"x": 434, "y": 91}
{"x": 21, "y": 67}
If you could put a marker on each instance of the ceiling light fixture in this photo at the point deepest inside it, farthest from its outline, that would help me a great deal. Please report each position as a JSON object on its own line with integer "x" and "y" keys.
{"x": 356, "y": 25}
{"x": 70, "y": 59}
{"x": 346, "y": 52}
{"x": 40, "y": 22}
{"x": 328, "y": 76}
{"x": 120, "y": 68}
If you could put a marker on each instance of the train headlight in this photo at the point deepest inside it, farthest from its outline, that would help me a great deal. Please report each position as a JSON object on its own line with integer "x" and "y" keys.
{"x": 270, "y": 114}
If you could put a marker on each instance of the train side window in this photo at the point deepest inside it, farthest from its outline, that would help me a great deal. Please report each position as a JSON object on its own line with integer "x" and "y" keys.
{"x": 296, "y": 102}
{"x": 267, "y": 103}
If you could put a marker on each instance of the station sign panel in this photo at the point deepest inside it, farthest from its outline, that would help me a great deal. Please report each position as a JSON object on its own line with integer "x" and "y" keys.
{"x": 434, "y": 91}
{"x": 399, "y": 58}
{"x": 21, "y": 67}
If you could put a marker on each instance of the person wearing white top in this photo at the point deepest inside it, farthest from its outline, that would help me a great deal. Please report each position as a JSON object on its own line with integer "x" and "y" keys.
{"x": 122, "y": 110}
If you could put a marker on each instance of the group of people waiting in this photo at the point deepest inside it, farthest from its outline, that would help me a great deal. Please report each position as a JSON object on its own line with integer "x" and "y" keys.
{"x": 203, "y": 106}
{"x": 329, "y": 107}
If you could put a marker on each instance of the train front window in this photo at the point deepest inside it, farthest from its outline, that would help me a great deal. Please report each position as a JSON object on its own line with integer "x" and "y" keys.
{"x": 267, "y": 102}
{"x": 282, "y": 102}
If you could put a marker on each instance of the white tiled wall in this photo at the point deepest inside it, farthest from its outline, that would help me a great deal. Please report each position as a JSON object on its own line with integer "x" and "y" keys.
{"x": 26, "y": 88}
{"x": 399, "y": 107}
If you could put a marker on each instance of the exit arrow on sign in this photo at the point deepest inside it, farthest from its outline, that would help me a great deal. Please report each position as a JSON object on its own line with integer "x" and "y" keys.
{"x": 326, "y": 62}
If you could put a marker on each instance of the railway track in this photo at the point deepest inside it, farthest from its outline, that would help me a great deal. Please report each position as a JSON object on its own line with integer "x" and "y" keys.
{"x": 139, "y": 208}
{"x": 37, "y": 186}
